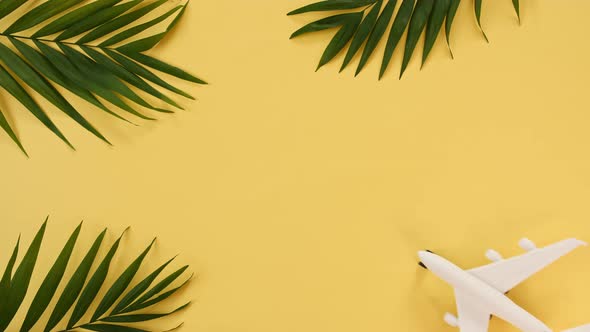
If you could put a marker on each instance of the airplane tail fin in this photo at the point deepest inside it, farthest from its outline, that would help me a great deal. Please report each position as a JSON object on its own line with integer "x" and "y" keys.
{"x": 584, "y": 328}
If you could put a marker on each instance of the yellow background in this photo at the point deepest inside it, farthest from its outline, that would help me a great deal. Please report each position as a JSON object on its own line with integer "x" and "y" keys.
{"x": 300, "y": 198}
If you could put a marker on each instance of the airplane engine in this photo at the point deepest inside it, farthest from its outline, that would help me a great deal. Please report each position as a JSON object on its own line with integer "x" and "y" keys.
{"x": 527, "y": 244}
{"x": 451, "y": 320}
{"x": 493, "y": 255}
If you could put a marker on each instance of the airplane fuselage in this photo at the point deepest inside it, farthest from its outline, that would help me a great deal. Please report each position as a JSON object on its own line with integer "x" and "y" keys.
{"x": 483, "y": 293}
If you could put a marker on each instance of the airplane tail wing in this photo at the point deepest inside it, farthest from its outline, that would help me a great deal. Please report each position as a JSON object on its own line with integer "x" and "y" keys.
{"x": 585, "y": 328}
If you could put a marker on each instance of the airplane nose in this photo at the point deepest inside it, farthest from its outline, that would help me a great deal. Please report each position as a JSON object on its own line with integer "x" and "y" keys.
{"x": 422, "y": 254}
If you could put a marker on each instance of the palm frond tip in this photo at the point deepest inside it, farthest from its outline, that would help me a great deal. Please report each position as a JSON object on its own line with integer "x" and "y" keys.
{"x": 121, "y": 304}
{"x": 56, "y": 43}
{"x": 362, "y": 25}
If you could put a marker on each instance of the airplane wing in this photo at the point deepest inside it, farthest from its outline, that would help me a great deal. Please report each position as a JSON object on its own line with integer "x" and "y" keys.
{"x": 506, "y": 274}
{"x": 472, "y": 318}
{"x": 585, "y": 328}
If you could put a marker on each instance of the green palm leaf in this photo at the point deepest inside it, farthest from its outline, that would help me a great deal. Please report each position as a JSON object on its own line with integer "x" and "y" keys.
{"x": 141, "y": 317}
{"x": 49, "y": 285}
{"x": 420, "y": 16}
{"x": 6, "y": 127}
{"x": 434, "y": 25}
{"x": 91, "y": 290}
{"x": 15, "y": 287}
{"x": 150, "y": 297}
{"x": 111, "y": 328}
{"x": 139, "y": 288}
{"x": 363, "y": 32}
{"x": 362, "y": 24}
{"x": 19, "y": 282}
{"x": 74, "y": 286}
{"x": 454, "y": 5}
{"x": 157, "y": 299}
{"x": 64, "y": 48}
{"x": 341, "y": 38}
{"x": 120, "y": 285}
{"x": 6, "y": 278}
{"x": 376, "y": 34}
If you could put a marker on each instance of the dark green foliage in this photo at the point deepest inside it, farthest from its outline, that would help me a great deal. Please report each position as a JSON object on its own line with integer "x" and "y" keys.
{"x": 60, "y": 49}
{"x": 363, "y": 23}
{"x": 14, "y": 286}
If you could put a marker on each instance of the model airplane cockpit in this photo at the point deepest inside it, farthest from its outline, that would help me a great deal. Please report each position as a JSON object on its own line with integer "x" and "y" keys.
{"x": 481, "y": 292}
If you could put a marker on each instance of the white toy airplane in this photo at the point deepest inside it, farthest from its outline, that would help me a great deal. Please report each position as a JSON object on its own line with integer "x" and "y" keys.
{"x": 480, "y": 292}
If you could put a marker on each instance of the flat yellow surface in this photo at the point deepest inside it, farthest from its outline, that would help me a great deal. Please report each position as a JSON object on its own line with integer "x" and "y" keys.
{"x": 300, "y": 199}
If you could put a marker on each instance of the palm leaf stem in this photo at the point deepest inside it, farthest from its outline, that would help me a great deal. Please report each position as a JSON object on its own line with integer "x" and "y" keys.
{"x": 54, "y": 41}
